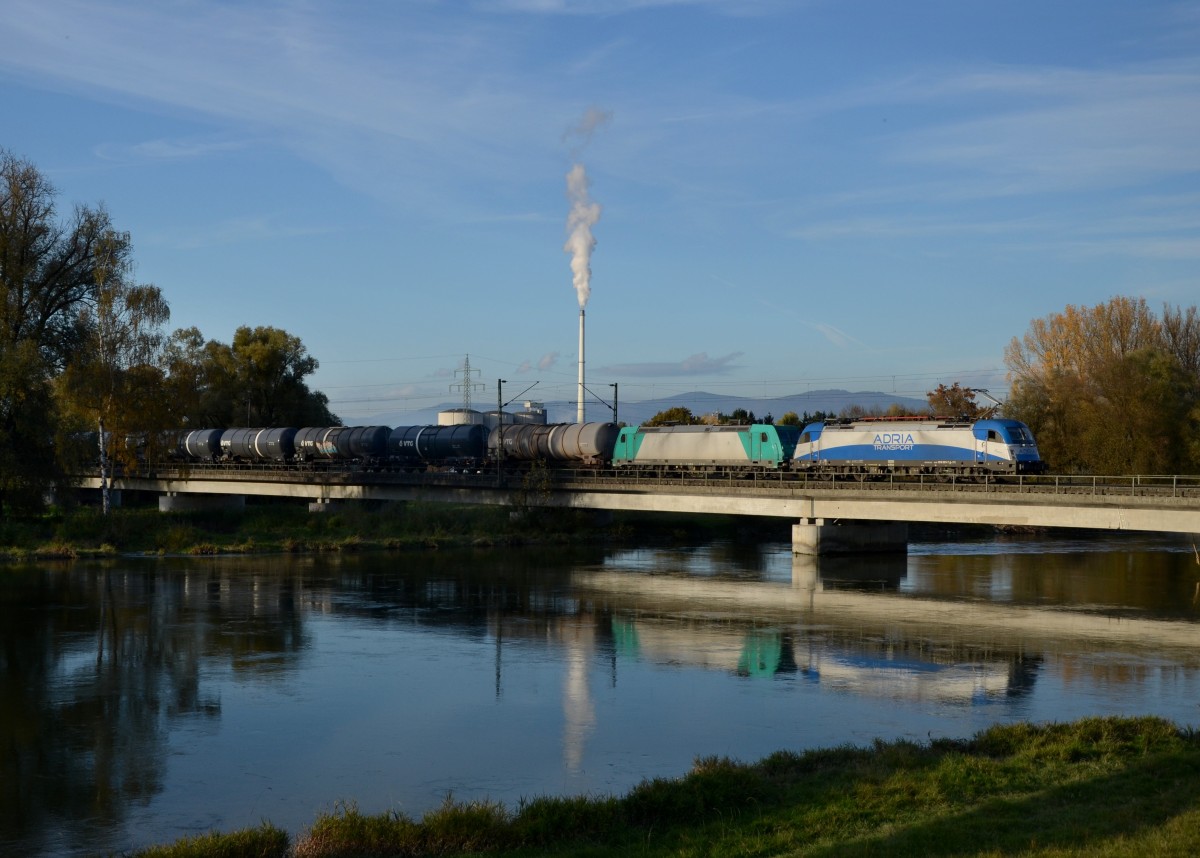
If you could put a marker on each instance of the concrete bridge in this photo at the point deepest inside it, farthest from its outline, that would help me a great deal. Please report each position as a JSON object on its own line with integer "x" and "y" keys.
{"x": 830, "y": 517}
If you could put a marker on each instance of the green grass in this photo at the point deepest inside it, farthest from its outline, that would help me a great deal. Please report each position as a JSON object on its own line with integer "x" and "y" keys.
{"x": 1099, "y": 786}
{"x": 266, "y": 841}
{"x": 291, "y": 528}
{"x": 278, "y": 528}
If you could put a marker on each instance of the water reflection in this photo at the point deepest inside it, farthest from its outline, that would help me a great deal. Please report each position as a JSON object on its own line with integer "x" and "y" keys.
{"x": 98, "y": 665}
{"x": 1160, "y": 583}
{"x": 143, "y": 700}
{"x": 839, "y": 633}
{"x": 579, "y": 712}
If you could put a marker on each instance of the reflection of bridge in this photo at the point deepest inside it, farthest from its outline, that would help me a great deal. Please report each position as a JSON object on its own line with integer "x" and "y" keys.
{"x": 954, "y": 624}
{"x": 831, "y": 516}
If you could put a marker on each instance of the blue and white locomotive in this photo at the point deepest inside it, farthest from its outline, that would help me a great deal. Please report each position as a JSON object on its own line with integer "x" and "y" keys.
{"x": 918, "y": 445}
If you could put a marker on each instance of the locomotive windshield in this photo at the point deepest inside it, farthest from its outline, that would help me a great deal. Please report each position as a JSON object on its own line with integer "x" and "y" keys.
{"x": 1019, "y": 435}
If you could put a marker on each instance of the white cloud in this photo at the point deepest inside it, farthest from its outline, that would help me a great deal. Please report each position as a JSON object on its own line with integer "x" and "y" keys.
{"x": 386, "y": 97}
{"x": 239, "y": 230}
{"x": 1037, "y": 130}
{"x": 172, "y": 150}
{"x": 544, "y": 363}
{"x": 836, "y": 336}
{"x": 699, "y": 364}
{"x": 606, "y": 8}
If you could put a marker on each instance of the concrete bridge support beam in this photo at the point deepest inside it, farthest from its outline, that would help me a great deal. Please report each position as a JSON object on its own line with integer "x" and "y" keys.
{"x": 177, "y": 502}
{"x": 818, "y": 537}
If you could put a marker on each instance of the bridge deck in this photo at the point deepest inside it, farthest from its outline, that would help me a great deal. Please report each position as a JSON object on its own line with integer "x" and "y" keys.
{"x": 1165, "y": 504}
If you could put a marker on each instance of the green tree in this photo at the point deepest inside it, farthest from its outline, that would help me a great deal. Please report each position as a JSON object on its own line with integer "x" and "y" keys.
{"x": 673, "y": 416}
{"x": 854, "y": 411}
{"x": 1142, "y": 422}
{"x": 257, "y": 380}
{"x": 48, "y": 269}
{"x": 789, "y": 418}
{"x": 189, "y": 384}
{"x": 816, "y": 417}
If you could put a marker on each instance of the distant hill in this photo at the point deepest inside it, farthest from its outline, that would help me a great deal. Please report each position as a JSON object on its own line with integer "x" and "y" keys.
{"x": 830, "y": 401}
{"x": 698, "y": 402}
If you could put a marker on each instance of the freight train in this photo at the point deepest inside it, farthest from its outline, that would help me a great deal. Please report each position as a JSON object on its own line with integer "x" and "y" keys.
{"x": 372, "y": 445}
{"x": 843, "y": 448}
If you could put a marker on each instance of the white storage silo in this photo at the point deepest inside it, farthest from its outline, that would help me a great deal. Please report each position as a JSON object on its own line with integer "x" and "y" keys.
{"x": 459, "y": 417}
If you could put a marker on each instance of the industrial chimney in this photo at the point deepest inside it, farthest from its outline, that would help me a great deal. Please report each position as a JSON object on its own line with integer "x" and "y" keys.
{"x": 579, "y": 412}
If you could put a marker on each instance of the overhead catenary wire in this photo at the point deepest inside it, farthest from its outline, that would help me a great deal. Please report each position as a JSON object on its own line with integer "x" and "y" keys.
{"x": 560, "y": 385}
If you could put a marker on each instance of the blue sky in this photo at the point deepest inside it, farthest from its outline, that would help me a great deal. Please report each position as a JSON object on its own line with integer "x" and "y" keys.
{"x": 791, "y": 195}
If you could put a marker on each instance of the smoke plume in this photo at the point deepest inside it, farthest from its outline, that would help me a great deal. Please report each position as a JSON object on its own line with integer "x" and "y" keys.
{"x": 593, "y": 118}
{"x": 582, "y": 217}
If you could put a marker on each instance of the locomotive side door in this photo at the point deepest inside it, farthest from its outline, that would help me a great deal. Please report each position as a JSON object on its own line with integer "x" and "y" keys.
{"x": 992, "y": 436}
{"x": 764, "y": 451}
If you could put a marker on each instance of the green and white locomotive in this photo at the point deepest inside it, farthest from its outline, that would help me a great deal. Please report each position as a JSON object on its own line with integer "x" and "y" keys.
{"x": 758, "y": 446}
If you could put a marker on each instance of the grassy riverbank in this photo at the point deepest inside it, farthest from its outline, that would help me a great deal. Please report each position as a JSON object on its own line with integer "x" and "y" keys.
{"x": 1108, "y": 787}
{"x": 291, "y": 528}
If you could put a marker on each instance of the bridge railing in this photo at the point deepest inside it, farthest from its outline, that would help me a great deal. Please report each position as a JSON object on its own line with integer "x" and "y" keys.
{"x": 1139, "y": 485}
{"x": 1165, "y": 486}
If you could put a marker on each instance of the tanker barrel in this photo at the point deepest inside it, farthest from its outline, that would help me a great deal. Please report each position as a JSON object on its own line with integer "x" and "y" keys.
{"x": 276, "y": 444}
{"x": 202, "y": 443}
{"x": 367, "y": 442}
{"x": 319, "y": 442}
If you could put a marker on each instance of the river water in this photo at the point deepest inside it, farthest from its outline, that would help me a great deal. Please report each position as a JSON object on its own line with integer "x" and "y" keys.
{"x": 147, "y": 699}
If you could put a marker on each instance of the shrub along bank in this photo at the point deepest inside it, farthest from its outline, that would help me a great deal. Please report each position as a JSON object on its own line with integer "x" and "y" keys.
{"x": 1108, "y": 787}
{"x": 283, "y": 527}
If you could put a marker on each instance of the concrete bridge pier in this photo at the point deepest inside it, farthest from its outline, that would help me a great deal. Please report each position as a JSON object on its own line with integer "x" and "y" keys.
{"x": 805, "y": 574}
{"x": 818, "y": 536}
{"x": 180, "y": 502}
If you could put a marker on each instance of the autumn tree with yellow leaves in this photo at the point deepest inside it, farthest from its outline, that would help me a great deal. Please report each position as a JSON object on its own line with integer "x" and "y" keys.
{"x": 955, "y": 401}
{"x": 1111, "y": 389}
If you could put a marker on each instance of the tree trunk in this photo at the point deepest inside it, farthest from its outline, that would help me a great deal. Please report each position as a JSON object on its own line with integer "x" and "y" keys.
{"x": 103, "y": 470}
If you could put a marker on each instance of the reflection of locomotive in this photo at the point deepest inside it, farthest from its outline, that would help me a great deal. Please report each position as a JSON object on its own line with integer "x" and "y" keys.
{"x": 855, "y": 448}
